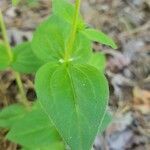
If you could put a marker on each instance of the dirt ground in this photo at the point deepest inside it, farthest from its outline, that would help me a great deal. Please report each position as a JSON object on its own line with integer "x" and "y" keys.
{"x": 128, "y": 67}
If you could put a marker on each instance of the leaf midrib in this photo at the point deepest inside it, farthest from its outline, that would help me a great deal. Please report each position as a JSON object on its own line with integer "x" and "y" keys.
{"x": 92, "y": 87}
{"x": 75, "y": 104}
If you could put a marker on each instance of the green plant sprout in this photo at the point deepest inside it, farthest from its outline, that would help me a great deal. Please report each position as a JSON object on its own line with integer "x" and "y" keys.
{"x": 72, "y": 91}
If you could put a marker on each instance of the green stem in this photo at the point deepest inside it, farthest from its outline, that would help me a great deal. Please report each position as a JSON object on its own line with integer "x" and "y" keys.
{"x": 73, "y": 32}
{"x": 4, "y": 34}
{"x": 23, "y": 100}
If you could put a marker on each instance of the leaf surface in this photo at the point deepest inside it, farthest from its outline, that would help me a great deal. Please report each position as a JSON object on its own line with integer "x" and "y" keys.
{"x": 35, "y": 131}
{"x": 49, "y": 39}
{"x": 55, "y": 146}
{"x": 4, "y": 58}
{"x": 75, "y": 98}
{"x": 99, "y": 36}
{"x": 10, "y": 115}
{"x": 25, "y": 61}
{"x": 98, "y": 60}
{"x": 82, "y": 49}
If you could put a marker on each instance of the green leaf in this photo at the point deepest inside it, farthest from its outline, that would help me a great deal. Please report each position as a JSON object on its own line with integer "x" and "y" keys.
{"x": 82, "y": 49}
{"x": 106, "y": 121}
{"x": 50, "y": 40}
{"x": 4, "y": 58}
{"x": 10, "y": 115}
{"x": 98, "y": 60}
{"x": 55, "y": 146}
{"x": 15, "y": 2}
{"x": 100, "y": 37}
{"x": 34, "y": 130}
{"x": 75, "y": 98}
{"x": 24, "y": 59}
{"x": 66, "y": 11}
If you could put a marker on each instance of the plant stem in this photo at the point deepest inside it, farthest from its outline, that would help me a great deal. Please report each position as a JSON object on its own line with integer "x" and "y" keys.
{"x": 23, "y": 99}
{"x": 21, "y": 89}
{"x": 73, "y": 32}
{"x": 4, "y": 34}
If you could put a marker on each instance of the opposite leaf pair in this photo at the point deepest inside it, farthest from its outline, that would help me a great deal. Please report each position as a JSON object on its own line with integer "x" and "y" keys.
{"x": 73, "y": 93}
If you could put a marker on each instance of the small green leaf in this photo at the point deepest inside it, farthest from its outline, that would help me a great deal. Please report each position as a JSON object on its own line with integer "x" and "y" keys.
{"x": 24, "y": 59}
{"x": 50, "y": 40}
{"x": 100, "y": 37}
{"x": 80, "y": 94}
{"x": 4, "y": 58}
{"x": 98, "y": 60}
{"x": 10, "y": 115}
{"x": 106, "y": 121}
{"x": 34, "y": 130}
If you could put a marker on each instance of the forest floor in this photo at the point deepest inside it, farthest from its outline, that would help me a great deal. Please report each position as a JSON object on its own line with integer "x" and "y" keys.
{"x": 128, "y": 67}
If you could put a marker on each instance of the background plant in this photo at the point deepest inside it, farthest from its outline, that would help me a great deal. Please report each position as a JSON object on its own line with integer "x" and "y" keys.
{"x": 71, "y": 88}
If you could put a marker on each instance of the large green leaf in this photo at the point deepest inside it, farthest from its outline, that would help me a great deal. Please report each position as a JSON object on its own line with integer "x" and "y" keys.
{"x": 50, "y": 40}
{"x": 99, "y": 36}
{"x": 75, "y": 98}
{"x": 4, "y": 58}
{"x": 35, "y": 131}
{"x": 25, "y": 60}
{"x": 98, "y": 60}
{"x": 10, "y": 115}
